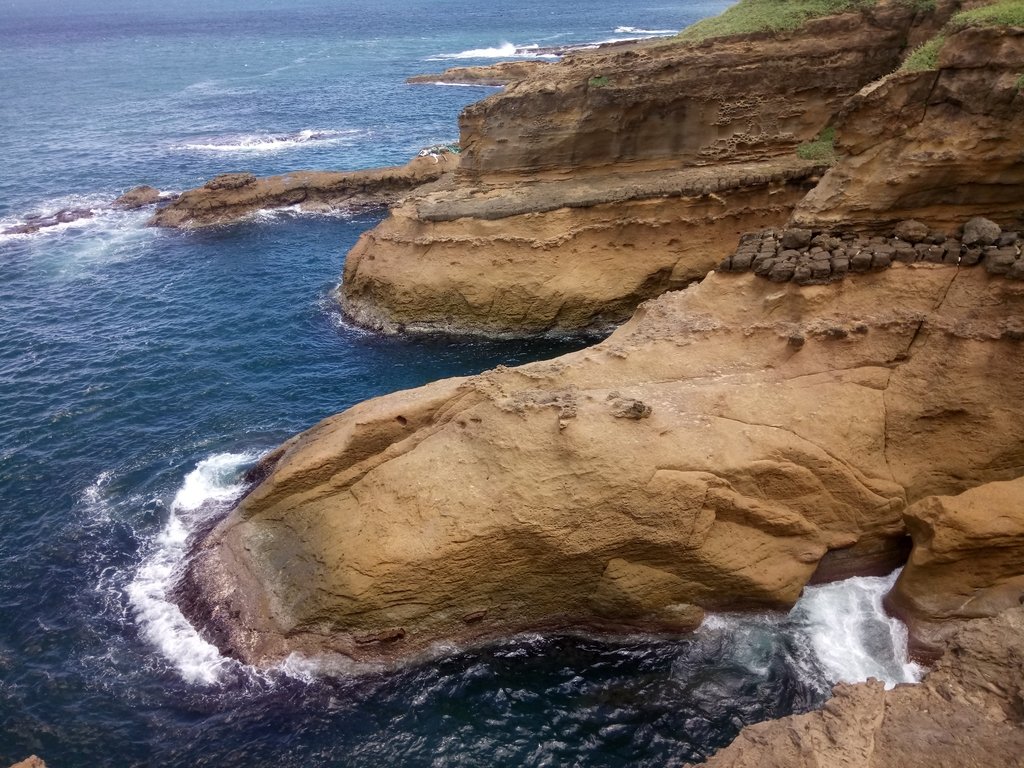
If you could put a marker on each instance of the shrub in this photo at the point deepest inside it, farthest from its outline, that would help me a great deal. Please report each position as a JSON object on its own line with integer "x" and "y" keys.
{"x": 600, "y": 81}
{"x": 821, "y": 149}
{"x": 925, "y": 56}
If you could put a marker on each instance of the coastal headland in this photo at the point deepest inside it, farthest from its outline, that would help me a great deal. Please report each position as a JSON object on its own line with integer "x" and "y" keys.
{"x": 808, "y": 242}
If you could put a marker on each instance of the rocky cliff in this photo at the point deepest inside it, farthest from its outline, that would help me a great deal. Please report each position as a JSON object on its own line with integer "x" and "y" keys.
{"x": 969, "y": 711}
{"x": 589, "y": 186}
{"x": 937, "y": 145}
{"x": 727, "y": 445}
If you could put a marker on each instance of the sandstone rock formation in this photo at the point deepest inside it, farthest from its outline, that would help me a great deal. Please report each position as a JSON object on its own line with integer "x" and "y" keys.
{"x": 728, "y": 444}
{"x": 502, "y": 73}
{"x": 967, "y": 560}
{"x": 30, "y": 762}
{"x": 229, "y": 197}
{"x": 614, "y": 176}
{"x": 937, "y": 145}
{"x": 969, "y": 711}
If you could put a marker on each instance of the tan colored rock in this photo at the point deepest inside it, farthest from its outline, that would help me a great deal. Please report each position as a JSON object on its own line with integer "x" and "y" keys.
{"x": 525, "y": 498}
{"x": 939, "y": 145}
{"x": 30, "y": 762}
{"x": 967, "y": 560}
{"x": 502, "y": 73}
{"x": 967, "y": 712}
{"x": 613, "y": 176}
{"x": 232, "y": 196}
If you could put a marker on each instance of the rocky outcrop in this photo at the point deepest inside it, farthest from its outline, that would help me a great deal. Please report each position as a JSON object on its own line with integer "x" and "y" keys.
{"x": 728, "y": 444}
{"x": 232, "y": 196}
{"x": 967, "y": 561}
{"x": 969, "y": 711}
{"x": 500, "y": 74}
{"x": 938, "y": 145}
{"x": 614, "y": 176}
{"x": 30, "y": 762}
{"x": 35, "y": 222}
{"x": 138, "y": 197}
{"x": 558, "y": 255}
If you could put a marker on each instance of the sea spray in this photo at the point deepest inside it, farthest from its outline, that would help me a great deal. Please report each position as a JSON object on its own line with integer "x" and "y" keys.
{"x": 852, "y": 635}
{"x": 205, "y": 491}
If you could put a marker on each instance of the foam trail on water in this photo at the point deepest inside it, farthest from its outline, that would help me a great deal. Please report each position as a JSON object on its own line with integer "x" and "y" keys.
{"x": 851, "y": 634}
{"x": 502, "y": 51}
{"x": 638, "y": 31}
{"x": 207, "y": 489}
{"x": 271, "y": 142}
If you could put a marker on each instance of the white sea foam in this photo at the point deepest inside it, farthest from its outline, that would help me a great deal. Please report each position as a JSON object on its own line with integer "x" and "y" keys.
{"x": 646, "y": 32}
{"x": 852, "y": 635}
{"x": 207, "y": 489}
{"x": 272, "y": 142}
{"x": 502, "y": 51}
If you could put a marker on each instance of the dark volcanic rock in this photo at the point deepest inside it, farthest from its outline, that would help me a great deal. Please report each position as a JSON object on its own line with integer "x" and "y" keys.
{"x": 979, "y": 231}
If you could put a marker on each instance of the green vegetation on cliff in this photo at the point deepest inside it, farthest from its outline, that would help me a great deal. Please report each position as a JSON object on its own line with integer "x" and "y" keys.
{"x": 925, "y": 56}
{"x": 1008, "y": 13}
{"x": 821, "y": 149}
{"x": 749, "y": 16}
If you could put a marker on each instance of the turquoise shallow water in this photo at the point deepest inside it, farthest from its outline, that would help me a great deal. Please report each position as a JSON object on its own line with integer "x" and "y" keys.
{"x": 141, "y": 371}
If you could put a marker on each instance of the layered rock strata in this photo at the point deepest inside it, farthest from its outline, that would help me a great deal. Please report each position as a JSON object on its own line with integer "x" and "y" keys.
{"x": 232, "y": 196}
{"x": 939, "y": 145}
{"x": 969, "y": 711}
{"x": 967, "y": 561}
{"x": 728, "y": 444}
{"x": 592, "y": 185}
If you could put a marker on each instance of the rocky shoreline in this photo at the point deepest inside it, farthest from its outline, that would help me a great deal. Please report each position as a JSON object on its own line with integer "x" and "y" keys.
{"x": 821, "y": 369}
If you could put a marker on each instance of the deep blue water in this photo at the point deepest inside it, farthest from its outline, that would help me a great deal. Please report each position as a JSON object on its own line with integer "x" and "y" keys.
{"x": 141, "y": 370}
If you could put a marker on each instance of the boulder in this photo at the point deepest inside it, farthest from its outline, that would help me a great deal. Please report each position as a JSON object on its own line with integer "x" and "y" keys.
{"x": 911, "y": 231}
{"x": 967, "y": 560}
{"x": 980, "y": 231}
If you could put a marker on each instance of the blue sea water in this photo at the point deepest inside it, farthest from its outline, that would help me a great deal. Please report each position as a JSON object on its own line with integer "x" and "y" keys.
{"x": 142, "y": 370}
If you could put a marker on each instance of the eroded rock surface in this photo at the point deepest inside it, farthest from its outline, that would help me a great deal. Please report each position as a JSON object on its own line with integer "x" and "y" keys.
{"x": 613, "y": 176}
{"x": 232, "y": 196}
{"x": 698, "y": 458}
{"x": 967, "y": 560}
{"x": 969, "y": 711}
{"x": 938, "y": 145}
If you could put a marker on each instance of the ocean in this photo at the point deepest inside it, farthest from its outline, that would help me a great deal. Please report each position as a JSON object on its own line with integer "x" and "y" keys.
{"x": 142, "y": 370}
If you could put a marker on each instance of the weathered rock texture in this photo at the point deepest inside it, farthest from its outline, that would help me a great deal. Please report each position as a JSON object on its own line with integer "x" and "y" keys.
{"x": 938, "y": 145}
{"x": 969, "y": 711}
{"x": 231, "y": 196}
{"x": 609, "y": 178}
{"x": 728, "y": 444}
{"x": 809, "y": 257}
{"x": 967, "y": 560}
{"x": 502, "y": 73}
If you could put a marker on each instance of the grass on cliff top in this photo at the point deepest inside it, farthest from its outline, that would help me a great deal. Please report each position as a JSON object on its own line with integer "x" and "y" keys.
{"x": 1007, "y": 13}
{"x": 749, "y": 16}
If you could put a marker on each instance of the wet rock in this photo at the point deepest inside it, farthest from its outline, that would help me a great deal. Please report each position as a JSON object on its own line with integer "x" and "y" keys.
{"x": 137, "y": 197}
{"x": 981, "y": 231}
